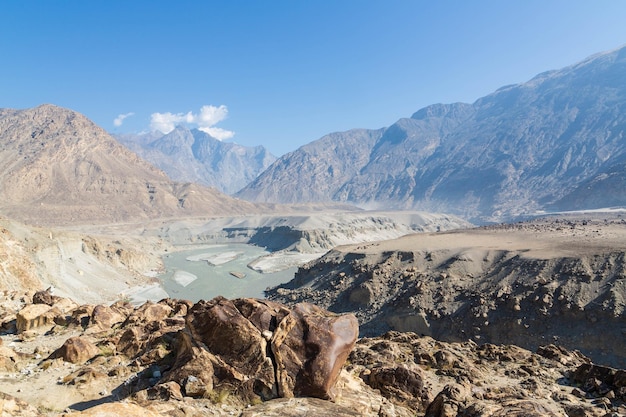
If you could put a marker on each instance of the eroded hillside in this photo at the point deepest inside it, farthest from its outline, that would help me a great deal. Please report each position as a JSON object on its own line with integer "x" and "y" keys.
{"x": 550, "y": 281}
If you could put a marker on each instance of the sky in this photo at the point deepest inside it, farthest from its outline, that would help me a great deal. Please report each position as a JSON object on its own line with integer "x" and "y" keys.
{"x": 284, "y": 73}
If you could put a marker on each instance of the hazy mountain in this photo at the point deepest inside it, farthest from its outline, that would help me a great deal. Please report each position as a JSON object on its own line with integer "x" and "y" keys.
{"x": 195, "y": 156}
{"x": 315, "y": 171}
{"x": 523, "y": 148}
{"x": 56, "y": 166}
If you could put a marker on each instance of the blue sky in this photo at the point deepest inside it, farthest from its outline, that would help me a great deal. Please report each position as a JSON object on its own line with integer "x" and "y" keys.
{"x": 284, "y": 73}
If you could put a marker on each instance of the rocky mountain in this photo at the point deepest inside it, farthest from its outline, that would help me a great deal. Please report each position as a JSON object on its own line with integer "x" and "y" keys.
{"x": 58, "y": 167}
{"x": 554, "y": 142}
{"x": 315, "y": 171}
{"x": 195, "y": 156}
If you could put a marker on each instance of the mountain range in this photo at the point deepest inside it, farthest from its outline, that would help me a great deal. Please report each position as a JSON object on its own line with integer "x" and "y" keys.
{"x": 195, "y": 156}
{"x": 58, "y": 167}
{"x": 555, "y": 142}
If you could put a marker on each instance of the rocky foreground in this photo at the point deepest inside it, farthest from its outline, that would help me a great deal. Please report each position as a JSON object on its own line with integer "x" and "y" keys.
{"x": 250, "y": 357}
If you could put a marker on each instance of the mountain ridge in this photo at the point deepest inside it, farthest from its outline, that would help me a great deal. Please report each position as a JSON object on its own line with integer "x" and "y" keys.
{"x": 521, "y": 149}
{"x": 191, "y": 155}
{"x": 58, "y": 167}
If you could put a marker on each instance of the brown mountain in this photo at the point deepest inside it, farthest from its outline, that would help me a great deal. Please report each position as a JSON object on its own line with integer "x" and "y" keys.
{"x": 58, "y": 167}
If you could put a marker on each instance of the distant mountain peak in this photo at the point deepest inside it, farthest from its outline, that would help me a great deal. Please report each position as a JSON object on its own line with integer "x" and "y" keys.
{"x": 58, "y": 167}
{"x": 523, "y": 148}
{"x": 193, "y": 155}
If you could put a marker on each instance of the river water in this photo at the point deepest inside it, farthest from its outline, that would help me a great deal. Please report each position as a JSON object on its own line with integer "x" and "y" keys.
{"x": 203, "y": 273}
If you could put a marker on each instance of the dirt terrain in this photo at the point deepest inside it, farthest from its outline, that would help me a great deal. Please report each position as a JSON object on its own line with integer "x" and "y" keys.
{"x": 554, "y": 280}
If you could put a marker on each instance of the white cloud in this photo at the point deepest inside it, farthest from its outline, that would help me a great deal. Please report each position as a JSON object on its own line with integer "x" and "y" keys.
{"x": 120, "y": 119}
{"x": 205, "y": 120}
{"x": 165, "y": 122}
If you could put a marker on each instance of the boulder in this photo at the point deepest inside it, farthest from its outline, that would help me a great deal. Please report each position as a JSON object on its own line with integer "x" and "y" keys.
{"x": 8, "y": 359}
{"x": 45, "y": 297}
{"x": 598, "y": 380}
{"x": 33, "y": 316}
{"x": 241, "y": 350}
{"x": 449, "y": 402}
{"x": 310, "y": 345}
{"x": 81, "y": 315}
{"x": 166, "y": 392}
{"x": 401, "y": 383}
{"x": 104, "y": 317}
{"x": 149, "y": 312}
{"x": 265, "y": 349}
{"x": 76, "y": 350}
{"x": 132, "y": 341}
{"x": 11, "y": 406}
{"x": 85, "y": 375}
{"x": 193, "y": 369}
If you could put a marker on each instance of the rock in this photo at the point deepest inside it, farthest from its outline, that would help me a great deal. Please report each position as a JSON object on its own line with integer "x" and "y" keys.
{"x": 11, "y": 406}
{"x": 448, "y": 403}
{"x": 304, "y": 356}
{"x": 193, "y": 368}
{"x": 300, "y": 407}
{"x": 64, "y": 308}
{"x": 76, "y": 350}
{"x": 179, "y": 307}
{"x": 194, "y": 387}
{"x": 166, "y": 391}
{"x": 33, "y": 316}
{"x": 310, "y": 346}
{"x": 81, "y": 315}
{"x": 84, "y": 375}
{"x": 599, "y": 380}
{"x": 401, "y": 383}
{"x": 149, "y": 312}
{"x": 115, "y": 410}
{"x": 560, "y": 354}
{"x": 105, "y": 317}
{"x": 45, "y": 297}
{"x": 7, "y": 359}
{"x": 227, "y": 334}
{"x": 132, "y": 341}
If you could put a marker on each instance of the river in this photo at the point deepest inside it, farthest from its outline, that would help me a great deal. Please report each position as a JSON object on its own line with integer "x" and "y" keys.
{"x": 203, "y": 273}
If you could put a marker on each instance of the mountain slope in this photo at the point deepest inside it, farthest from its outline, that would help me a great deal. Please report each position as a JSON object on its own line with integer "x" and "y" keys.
{"x": 521, "y": 149}
{"x": 315, "y": 171}
{"x": 195, "y": 156}
{"x": 58, "y": 167}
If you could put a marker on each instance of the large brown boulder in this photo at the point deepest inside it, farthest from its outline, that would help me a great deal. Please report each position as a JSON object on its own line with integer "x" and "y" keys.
{"x": 263, "y": 349}
{"x": 45, "y": 297}
{"x": 241, "y": 351}
{"x": 193, "y": 369}
{"x": 76, "y": 350}
{"x": 149, "y": 312}
{"x": 310, "y": 345}
{"x": 104, "y": 317}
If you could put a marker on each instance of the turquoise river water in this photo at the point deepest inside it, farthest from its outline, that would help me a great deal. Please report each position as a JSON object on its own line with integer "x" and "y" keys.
{"x": 206, "y": 272}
